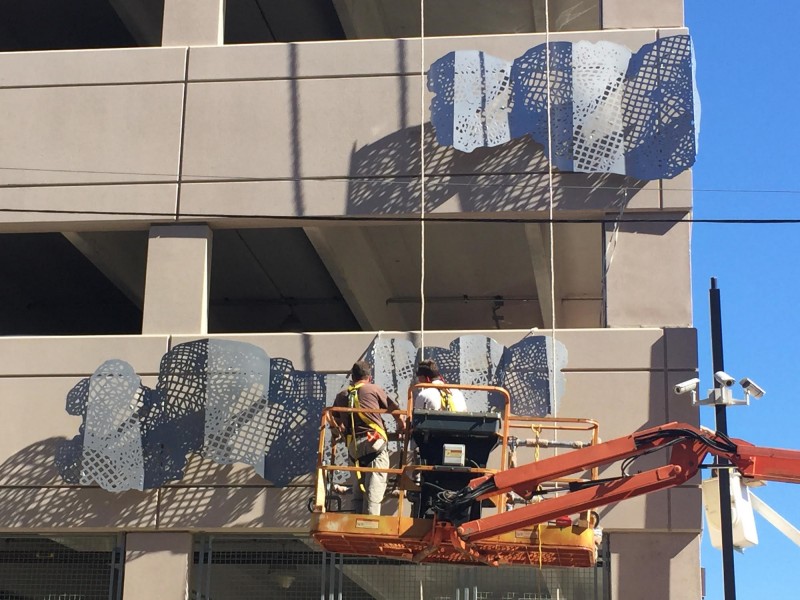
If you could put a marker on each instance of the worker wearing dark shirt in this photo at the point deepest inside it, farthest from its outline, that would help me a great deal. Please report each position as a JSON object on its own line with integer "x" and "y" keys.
{"x": 368, "y": 447}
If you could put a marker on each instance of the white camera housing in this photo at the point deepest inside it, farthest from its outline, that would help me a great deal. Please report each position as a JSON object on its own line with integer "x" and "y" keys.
{"x": 751, "y": 388}
{"x": 724, "y": 379}
{"x": 690, "y": 385}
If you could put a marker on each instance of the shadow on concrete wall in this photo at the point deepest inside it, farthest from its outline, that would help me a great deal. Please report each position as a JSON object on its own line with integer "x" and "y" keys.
{"x": 34, "y": 497}
{"x": 512, "y": 177}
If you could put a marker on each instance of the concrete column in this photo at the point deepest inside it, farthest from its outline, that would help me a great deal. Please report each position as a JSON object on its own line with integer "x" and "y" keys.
{"x": 157, "y": 566}
{"x": 177, "y": 281}
{"x": 667, "y": 565}
{"x": 193, "y": 23}
{"x": 648, "y": 279}
{"x": 630, "y": 14}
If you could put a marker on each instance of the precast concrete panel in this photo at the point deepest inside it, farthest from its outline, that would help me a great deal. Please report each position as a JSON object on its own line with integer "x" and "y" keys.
{"x": 91, "y": 134}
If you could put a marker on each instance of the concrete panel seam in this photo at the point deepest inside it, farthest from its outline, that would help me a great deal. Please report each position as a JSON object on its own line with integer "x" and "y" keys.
{"x": 308, "y": 77}
{"x": 94, "y": 183}
{"x": 182, "y": 139}
{"x": 95, "y": 84}
{"x": 71, "y": 375}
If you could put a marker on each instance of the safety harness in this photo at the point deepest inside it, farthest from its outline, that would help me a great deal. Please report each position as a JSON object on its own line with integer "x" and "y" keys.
{"x": 377, "y": 430}
{"x": 447, "y": 400}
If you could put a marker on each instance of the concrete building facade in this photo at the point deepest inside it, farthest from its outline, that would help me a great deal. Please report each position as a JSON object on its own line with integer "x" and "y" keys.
{"x": 252, "y": 172}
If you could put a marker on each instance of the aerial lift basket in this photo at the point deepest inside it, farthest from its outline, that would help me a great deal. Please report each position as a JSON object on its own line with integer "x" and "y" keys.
{"x": 417, "y": 533}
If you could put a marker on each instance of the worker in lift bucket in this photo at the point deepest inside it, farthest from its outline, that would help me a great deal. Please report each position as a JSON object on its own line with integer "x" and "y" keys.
{"x": 440, "y": 397}
{"x": 365, "y": 435}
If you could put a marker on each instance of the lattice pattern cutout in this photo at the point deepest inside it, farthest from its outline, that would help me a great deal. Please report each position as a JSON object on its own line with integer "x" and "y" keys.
{"x": 598, "y": 81}
{"x": 611, "y": 111}
{"x": 659, "y": 104}
{"x": 525, "y": 371}
{"x": 176, "y": 423}
{"x": 478, "y": 358}
{"x": 480, "y": 100}
{"x": 529, "y": 97}
{"x": 394, "y": 366}
{"x": 293, "y": 427}
{"x": 112, "y": 444}
{"x": 236, "y": 403}
{"x": 211, "y": 396}
{"x": 334, "y": 384}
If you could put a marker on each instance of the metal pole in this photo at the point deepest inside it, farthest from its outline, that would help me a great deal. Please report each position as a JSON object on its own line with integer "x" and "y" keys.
{"x": 726, "y": 522}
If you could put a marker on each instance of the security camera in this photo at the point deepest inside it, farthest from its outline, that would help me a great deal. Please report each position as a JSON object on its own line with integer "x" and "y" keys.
{"x": 690, "y": 385}
{"x": 752, "y": 388}
{"x": 724, "y": 379}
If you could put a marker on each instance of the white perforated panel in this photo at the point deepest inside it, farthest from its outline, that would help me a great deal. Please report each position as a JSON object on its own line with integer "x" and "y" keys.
{"x": 112, "y": 443}
{"x": 236, "y": 403}
{"x": 598, "y": 86}
{"x": 481, "y": 94}
{"x": 478, "y": 359}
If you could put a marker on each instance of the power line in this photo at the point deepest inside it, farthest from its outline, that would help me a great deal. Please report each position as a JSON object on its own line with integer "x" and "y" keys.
{"x": 384, "y": 218}
{"x": 398, "y": 180}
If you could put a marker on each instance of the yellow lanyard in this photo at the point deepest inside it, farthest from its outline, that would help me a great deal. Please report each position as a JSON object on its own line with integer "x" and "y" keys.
{"x": 447, "y": 400}
{"x": 352, "y": 399}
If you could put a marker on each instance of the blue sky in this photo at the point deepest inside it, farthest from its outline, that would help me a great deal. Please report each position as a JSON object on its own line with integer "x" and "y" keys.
{"x": 747, "y": 64}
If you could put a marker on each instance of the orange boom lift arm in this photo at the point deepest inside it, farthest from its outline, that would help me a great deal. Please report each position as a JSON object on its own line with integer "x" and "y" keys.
{"x": 688, "y": 447}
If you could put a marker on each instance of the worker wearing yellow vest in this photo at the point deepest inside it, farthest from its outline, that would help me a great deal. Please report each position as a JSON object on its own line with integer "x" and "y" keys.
{"x": 365, "y": 433}
{"x": 442, "y": 398}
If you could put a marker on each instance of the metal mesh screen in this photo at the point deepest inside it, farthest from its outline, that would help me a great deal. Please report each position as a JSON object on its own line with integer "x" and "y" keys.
{"x": 60, "y": 568}
{"x": 244, "y": 568}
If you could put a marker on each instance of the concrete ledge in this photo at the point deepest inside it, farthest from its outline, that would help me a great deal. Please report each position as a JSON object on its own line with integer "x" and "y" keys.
{"x": 78, "y": 356}
{"x": 368, "y": 58}
{"x": 92, "y": 67}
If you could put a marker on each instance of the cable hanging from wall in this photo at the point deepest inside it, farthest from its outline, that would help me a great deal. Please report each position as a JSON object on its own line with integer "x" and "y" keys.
{"x": 552, "y": 359}
{"x": 422, "y": 179}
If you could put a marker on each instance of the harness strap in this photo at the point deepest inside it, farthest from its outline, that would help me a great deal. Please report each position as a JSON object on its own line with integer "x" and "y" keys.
{"x": 447, "y": 400}
{"x": 352, "y": 399}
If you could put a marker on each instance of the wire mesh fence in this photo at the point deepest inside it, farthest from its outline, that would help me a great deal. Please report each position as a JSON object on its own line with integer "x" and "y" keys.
{"x": 250, "y": 568}
{"x": 61, "y": 567}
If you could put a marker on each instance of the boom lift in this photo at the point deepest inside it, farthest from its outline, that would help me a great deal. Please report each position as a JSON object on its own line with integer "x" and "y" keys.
{"x": 457, "y": 530}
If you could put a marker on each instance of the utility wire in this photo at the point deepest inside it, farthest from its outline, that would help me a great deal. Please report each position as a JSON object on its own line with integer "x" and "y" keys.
{"x": 384, "y": 218}
{"x": 398, "y": 180}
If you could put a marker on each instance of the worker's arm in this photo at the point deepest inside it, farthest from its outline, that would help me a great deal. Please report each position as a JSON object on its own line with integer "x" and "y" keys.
{"x": 401, "y": 420}
{"x": 337, "y": 418}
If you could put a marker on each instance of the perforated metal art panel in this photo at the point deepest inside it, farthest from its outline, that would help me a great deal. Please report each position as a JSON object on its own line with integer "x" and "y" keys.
{"x": 610, "y": 110}
{"x": 526, "y": 370}
{"x": 112, "y": 443}
{"x": 236, "y": 403}
{"x": 294, "y": 425}
{"x": 530, "y": 100}
{"x": 526, "y": 367}
{"x": 233, "y": 403}
{"x": 394, "y": 363}
{"x": 598, "y": 124}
